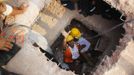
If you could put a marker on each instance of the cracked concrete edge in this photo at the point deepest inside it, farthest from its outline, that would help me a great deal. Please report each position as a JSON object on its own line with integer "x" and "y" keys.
{"x": 15, "y": 65}
{"x": 109, "y": 62}
{"x": 125, "y": 7}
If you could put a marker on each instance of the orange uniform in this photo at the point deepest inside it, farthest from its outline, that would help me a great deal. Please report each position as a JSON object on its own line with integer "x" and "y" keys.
{"x": 68, "y": 56}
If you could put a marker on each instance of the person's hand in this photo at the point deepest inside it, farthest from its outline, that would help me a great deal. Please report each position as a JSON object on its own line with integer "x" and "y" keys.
{"x": 9, "y": 20}
{"x": 5, "y": 44}
{"x": 64, "y": 33}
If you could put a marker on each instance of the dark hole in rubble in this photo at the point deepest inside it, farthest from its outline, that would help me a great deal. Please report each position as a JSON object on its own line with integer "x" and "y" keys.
{"x": 100, "y": 46}
{"x": 83, "y": 67}
{"x": 57, "y": 47}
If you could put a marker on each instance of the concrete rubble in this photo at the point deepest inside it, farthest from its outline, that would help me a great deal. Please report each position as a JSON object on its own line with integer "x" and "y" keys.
{"x": 30, "y": 55}
{"x": 30, "y": 61}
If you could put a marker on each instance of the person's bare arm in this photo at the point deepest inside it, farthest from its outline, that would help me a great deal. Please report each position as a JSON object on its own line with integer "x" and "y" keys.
{"x": 16, "y": 11}
{"x": 19, "y": 10}
{"x": 5, "y": 44}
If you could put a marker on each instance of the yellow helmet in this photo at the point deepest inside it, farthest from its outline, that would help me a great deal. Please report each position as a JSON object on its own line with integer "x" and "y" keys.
{"x": 75, "y": 32}
{"x": 69, "y": 38}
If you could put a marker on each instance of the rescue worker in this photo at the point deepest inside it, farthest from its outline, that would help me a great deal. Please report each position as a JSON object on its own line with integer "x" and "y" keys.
{"x": 83, "y": 44}
{"x": 71, "y": 53}
{"x": 80, "y": 40}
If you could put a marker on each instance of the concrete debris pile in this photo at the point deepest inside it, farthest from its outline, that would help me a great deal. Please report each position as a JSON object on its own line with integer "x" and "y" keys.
{"x": 51, "y": 36}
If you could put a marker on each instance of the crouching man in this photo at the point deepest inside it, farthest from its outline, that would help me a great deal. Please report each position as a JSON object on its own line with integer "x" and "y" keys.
{"x": 84, "y": 45}
{"x": 71, "y": 53}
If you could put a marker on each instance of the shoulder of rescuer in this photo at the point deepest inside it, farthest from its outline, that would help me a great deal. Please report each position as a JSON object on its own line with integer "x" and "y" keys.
{"x": 82, "y": 41}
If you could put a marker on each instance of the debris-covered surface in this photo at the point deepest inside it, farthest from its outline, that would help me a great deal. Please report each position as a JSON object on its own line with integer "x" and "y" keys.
{"x": 124, "y": 66}
{"x": 34, "y": 61}
{"x": 126, "y": 43}
{"x": 126, "y": 7}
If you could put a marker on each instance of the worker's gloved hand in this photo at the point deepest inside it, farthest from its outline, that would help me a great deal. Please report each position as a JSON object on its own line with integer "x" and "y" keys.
{"x": 5, "y": 44}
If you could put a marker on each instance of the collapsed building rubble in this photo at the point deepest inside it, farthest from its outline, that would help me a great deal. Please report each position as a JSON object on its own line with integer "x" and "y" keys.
{"x": 51, "y": 23}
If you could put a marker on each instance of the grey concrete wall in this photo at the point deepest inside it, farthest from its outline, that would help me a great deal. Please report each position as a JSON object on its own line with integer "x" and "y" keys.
{"x": 29, "y": 60}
